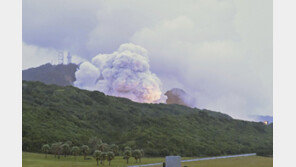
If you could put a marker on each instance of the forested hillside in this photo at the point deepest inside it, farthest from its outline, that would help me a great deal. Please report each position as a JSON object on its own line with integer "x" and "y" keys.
{"x": 54, "y": 113}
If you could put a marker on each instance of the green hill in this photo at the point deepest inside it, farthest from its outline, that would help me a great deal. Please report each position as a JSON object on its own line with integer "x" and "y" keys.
{"x": 54, "y": 113}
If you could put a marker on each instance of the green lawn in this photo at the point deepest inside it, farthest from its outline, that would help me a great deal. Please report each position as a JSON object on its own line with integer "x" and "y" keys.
{"x": 38, "y": 160}
{"x": 252, "y": 161}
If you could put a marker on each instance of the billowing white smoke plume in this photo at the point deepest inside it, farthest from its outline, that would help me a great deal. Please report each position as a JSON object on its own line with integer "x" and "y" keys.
{"x": 124, "y": 73}
{"x": 86, "y": 76}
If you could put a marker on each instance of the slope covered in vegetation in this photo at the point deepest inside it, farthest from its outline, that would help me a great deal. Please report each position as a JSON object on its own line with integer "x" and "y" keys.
{"x": 54, "y": 113}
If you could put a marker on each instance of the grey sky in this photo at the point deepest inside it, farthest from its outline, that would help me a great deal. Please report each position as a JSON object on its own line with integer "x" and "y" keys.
{"x": 219, "y": 51}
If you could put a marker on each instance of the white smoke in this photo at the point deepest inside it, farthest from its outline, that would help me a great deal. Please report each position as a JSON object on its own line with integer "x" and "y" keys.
{"x": 86, "y": 76}
{"x": 124, "y": 73}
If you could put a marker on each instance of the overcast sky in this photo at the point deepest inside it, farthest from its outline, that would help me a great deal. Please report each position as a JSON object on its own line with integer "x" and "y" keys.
{"x": 219, "y": 51}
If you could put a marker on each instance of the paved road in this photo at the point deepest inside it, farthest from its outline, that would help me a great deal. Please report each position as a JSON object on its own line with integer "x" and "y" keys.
{"x": 201, "y": 159}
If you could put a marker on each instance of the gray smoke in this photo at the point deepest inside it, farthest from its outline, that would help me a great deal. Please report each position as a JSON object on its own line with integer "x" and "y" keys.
{"x": 179, "y": 96}
{"x": 124, "y": 73}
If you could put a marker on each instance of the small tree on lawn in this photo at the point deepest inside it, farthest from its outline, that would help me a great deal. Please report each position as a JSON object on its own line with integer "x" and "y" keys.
{"x": 56, "y": 149}
{"x": 103, "y": 157}
{"x": 53, "y": 149}
{"x": 137, "y": 155}
{"x": 84, "y": 150}
{"x": 97, "y": 156}
{"x": 142, "y": 154}
{"x": 45, "y": 148}
{"x": 110, "y": 156}
{"x": 75, "y": 151}
{"x": 65, "y": 149}
{"x": 127, "y": 154}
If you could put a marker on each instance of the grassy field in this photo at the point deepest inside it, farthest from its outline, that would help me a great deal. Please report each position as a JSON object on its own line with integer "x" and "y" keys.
{"x": 38, "y": 160}
{"x": 252, "y": 161}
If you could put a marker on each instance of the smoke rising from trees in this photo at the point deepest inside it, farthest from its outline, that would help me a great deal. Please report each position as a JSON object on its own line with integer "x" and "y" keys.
{"x": 123, "y": 73}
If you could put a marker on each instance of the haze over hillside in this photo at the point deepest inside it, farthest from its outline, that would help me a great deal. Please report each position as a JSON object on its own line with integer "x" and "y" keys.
{"x": 60, "y": 74}
{"x": 64, "y": 75}
{"x": 262, "y": 118}
{"x": 54, "y": 113}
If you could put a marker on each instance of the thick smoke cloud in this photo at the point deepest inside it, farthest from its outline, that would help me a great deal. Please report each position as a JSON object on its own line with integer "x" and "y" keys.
{"x": 179, "y": 96}
{"x": 87, "y": 76}
{"x": 124, "y": 73}
{"x": 219, "y": 51}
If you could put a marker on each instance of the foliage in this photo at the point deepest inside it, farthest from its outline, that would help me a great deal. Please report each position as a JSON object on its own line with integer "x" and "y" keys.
{"x": 97, "y": 156}
{"x": 65, "y": 149}
{"x": 94, "y": 143}
{"x": 110, "y": 157}
{"x": 137, "y": 154}
{"x": 103, "y": 147}
{"x": 56, "y": 149}
{"x": 127, "y": 154}
{"x": 127, "y": 148}
{"x": 69, "y": 143}
{"x": 84, "y": 150}
{"x": 103, "y": 157}
{"x": 53, "y": 113}
{"x": 114, "y": 148}
{"x": 266, "y": 151}
{"x": 75, "y": 151}
{"x": 45, "y": 148}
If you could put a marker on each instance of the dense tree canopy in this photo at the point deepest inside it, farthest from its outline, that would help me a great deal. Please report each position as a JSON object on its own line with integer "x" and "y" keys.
{"x": 54, "y": 113}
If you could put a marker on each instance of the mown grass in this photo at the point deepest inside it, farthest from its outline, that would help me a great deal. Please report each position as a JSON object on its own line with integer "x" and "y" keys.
{"x": 39, "y": 160}
{"x": 252, "y": 161}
